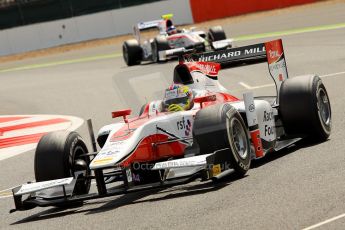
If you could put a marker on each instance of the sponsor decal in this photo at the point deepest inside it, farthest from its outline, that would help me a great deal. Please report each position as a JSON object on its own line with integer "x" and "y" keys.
{"x": 112, "y": 148}
{"x": 216, "y": 170}
{"x": 268, "y": 116}
{"x": 188, "y": 127}
{"x": 232, "y": 54}
{"x": 184, "y": 124}
{"x": 255, "y": 136}
{"x": 102, "y": 160}
{"x": 117, "y": 144}
{"x": 129, "y": 175}
{"x": 136, "y": 177}
{"x": 268, "y": 130}
{"x": 276, "y": 67}
{"x": 273, "y": 54}
{"x": 210, "y": 69}
{"x": 220, "y": 56}
{"x": 251, "y": 108}
{"x": 274, "y": 51}
{"x": 280, "y": 77}
{"x": 176, "y": 164}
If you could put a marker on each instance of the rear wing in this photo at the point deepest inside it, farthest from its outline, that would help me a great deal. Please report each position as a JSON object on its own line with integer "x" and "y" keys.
{"x": 159, "y": 23}
{"x": 149, "y": 24}
{"x": 154, "y": 23}
{"x": 271, "y": 52}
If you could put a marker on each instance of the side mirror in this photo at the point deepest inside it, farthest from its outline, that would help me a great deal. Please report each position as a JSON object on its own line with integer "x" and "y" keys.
{"x": 205, "y": 99}
{"x": 122, "y": 113}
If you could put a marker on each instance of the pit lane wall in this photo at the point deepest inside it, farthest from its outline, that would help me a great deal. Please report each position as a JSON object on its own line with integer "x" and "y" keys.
{"x": 93, "y": 26}
{"x": 120, "y": 21}
{"x": 204, "y": 10}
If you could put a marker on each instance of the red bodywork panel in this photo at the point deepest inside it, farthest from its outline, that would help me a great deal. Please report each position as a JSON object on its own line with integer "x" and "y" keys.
{"x": 146, "y": 150}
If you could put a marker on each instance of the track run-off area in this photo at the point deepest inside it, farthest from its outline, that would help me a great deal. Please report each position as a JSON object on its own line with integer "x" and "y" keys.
{"x": 298, "y": 188}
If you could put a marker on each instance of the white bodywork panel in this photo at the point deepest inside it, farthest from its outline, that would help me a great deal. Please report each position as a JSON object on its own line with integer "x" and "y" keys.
{"x": 203, "y": 85}
{"x": 264, "y": 112}
{"x": 113, "y": 152}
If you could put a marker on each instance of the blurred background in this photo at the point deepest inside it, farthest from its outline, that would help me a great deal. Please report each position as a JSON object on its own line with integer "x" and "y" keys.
{"x": 24, "y": 12}
{"x": 49, "y": 23}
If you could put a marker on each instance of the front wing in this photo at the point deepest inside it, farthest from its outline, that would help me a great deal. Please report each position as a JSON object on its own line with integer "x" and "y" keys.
{"x": 175, "y": 172}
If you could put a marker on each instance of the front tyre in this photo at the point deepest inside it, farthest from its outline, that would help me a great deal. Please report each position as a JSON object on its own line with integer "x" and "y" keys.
{"x": 221, "y": 126}
{"x": 59, "y": 155}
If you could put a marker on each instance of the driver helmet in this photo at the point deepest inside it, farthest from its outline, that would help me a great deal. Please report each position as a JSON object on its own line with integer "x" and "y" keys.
{"x": 171, "y": 30}
{"x": 178, "y": 98}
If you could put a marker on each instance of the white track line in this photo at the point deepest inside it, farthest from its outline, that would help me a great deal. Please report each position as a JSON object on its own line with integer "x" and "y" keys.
{"x": 6, "y": 191}
{"x": 332, "y": 74}
{"x": 245, "y": 85}
{"x": 325, "y": 222}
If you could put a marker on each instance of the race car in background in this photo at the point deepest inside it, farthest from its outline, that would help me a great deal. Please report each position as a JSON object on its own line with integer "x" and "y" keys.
{"x": 149, "y": 49}
{"x": 219, "y": 135}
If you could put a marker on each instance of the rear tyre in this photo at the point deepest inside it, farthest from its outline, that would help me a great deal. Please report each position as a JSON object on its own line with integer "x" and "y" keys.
{"x": 159, "y": 44}
{"x": 132, "y": 52}
{"x": 215, "y": 33}
{"x": 305, "y": 107}
{"x": 58, "y": 155}
{"x": 221, "y": 126}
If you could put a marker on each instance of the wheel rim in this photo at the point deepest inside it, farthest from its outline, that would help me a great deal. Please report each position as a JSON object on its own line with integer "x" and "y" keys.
{"x": 239, "y": 138}
{"x": 78, "y": 151}
{"x": 324, "y": 107}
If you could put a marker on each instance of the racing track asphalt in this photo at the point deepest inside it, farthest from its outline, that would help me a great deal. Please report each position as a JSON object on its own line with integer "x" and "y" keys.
{"x": 292, "y": 189}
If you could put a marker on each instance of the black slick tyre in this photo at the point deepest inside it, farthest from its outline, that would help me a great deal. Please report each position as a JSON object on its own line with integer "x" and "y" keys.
{"x": 58, "y": 155}
{"x": 132, "y": 52}
{"x": 221, "y": 126}
{"x": 215, "y": 33}
{"x": 305, "y": 107}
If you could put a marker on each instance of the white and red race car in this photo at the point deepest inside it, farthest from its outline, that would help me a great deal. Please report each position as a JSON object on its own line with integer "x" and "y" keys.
{"x": 219, "y": 135}
{"x": 154, "y": 49}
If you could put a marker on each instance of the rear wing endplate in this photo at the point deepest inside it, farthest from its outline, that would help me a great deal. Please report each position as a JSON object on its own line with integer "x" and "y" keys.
{"x": 233, "y": 56}
{"x": 271, "y": 52}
